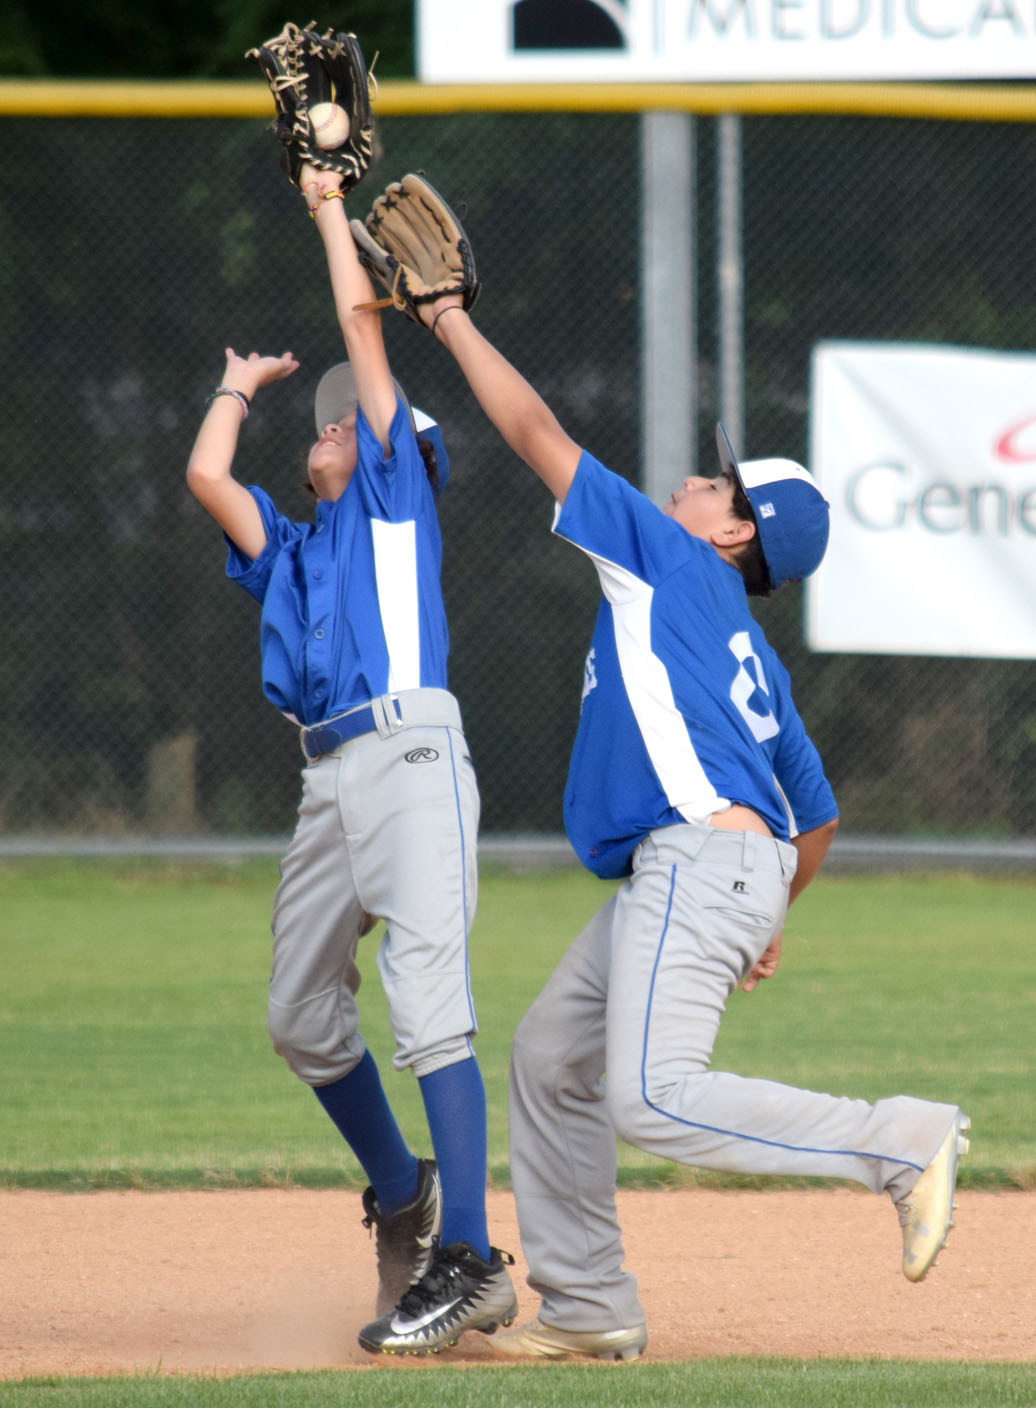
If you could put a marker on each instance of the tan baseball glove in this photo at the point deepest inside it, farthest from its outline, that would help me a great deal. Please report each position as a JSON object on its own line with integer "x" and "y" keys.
{"x": 413, "y": 243}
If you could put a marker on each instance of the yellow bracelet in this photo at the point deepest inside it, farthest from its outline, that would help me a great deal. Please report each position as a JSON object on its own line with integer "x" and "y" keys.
{"x": 325, "y": 195}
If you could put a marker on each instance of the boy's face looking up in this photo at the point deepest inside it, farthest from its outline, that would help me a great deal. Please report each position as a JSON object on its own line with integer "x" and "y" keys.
{"x": 333, "y": 458}
{"x": 705, "y": 507}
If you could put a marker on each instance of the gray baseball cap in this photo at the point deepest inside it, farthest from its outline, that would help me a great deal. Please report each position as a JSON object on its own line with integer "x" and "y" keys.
{"x": 336, "y": 397}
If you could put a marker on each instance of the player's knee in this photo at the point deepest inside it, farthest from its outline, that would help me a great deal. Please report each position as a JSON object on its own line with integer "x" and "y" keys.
{"x": 540, "y": 1032}
{"x": 548, "y": 1069}
{"x": 627, "y": 1107}
{"x": 526, "y": 1072}
{"x": 289, "y": 1042}
{"x": 532, "y": 1061}
{"x": 315, "y": 1054}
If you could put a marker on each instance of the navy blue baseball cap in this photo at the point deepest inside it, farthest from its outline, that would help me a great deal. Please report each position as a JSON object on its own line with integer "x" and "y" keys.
{"x": 336, "y": 397}
{"x": 792, "y": 517}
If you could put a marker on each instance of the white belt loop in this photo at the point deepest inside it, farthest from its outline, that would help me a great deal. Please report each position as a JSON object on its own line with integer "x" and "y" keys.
{"x": 789, "y": 860}
{"x": 388, "y": 717}
{"x": 748, "y": 850}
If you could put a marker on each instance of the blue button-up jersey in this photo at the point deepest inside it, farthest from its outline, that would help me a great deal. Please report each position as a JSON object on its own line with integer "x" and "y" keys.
{"x": 352, "y": 603}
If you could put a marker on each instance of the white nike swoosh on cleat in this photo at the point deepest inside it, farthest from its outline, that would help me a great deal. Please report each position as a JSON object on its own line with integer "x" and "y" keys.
{"x": 403, "y": 1327}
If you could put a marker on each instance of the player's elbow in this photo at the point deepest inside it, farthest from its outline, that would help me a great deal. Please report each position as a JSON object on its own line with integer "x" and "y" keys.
{"x": 206, "y": 480}
{"x": 200, "y": 476}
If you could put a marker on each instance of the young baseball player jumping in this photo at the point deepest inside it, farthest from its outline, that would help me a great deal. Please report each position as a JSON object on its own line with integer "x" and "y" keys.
{"x": 354, "y": 650}
{"x": 692, "y": 778}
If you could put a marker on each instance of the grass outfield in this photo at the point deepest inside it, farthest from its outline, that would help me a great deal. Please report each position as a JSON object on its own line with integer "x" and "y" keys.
{"x": 134, "y": 1050}
{"x": 716, "y": 1383}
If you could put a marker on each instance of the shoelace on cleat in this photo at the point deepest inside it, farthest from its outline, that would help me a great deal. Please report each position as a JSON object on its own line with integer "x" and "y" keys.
{"x": 431, "y": 1288}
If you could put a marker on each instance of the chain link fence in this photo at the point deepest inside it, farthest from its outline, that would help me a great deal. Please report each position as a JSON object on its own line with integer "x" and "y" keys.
{"x": 135, "y": 250}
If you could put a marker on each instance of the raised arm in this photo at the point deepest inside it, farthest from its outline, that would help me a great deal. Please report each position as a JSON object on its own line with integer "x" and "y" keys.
{"x": 352, "y": 288}
{"x": 519, "y": 413}
{"x": 209, "y": 476}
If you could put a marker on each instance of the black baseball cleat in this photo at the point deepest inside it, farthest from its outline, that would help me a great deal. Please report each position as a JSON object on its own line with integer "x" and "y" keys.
{"x": 458, "y": 1292}
{"x": 405, "y": 1242}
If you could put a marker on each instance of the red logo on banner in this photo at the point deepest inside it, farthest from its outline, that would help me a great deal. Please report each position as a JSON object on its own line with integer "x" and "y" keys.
{"x": 1018, "y": 444}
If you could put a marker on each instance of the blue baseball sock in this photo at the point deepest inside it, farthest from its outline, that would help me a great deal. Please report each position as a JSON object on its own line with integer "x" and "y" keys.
{"x": 361, "y": 1112}
{"x": 455, "y": 1104}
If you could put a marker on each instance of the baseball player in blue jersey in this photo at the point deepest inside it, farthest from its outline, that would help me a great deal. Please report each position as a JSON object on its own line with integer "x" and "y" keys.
{"x": 693, "y": 779}
{"x": 354, "y": 650}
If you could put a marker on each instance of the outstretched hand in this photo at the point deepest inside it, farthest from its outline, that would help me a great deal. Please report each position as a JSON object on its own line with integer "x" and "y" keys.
{"x": 766, "y": 967}
{"x": 249, "y": 373}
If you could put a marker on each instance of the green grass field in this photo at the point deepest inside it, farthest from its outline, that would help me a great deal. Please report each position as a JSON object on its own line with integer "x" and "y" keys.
{"x": 134, "y": 1052}
{"x": 134, "y": 1049}
{"x": 715, "y": 1383}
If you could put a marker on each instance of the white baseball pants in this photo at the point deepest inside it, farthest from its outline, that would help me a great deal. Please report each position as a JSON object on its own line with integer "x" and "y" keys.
{"x": 640, "y": 995}
{"x": 387, "y": 826}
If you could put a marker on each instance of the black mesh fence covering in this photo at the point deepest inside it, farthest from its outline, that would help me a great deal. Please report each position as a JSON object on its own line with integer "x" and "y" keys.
{"x": 133, "y": 251}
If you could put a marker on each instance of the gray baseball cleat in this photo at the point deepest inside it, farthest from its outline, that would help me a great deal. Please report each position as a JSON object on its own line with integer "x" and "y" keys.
{"x": 926, "y": 1212}
{"x": 458, "y": 1292}
{"x": 539, "y": 1341}
{"x": 406, "y": 1241}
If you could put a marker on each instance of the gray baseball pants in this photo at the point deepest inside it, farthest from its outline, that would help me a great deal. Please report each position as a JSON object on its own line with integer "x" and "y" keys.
{"x": 640, "y": 994}
{"x": 387, "y": 826}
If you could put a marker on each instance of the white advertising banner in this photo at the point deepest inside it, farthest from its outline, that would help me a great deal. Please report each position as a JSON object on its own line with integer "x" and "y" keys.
{"x": 712, "y": 41}
{"x": 927, "y": 456}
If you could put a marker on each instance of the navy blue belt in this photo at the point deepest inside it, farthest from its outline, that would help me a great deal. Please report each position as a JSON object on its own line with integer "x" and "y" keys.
{"x": 319, "y": 739}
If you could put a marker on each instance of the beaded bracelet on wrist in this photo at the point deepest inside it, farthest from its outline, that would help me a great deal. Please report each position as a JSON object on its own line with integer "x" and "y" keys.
{"x": 238, "y": 396}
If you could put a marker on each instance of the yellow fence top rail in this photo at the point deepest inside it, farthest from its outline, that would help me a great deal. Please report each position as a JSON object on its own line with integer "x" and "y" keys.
{"x": 31, "y": 97}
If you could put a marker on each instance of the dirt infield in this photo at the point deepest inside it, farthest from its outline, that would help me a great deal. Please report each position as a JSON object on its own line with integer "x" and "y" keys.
{"x": 220, "y": 1282}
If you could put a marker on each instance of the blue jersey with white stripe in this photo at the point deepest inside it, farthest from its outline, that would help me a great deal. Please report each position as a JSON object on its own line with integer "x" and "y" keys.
{"x": 686, "y": 708}
{"x": 352, "y": 603}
